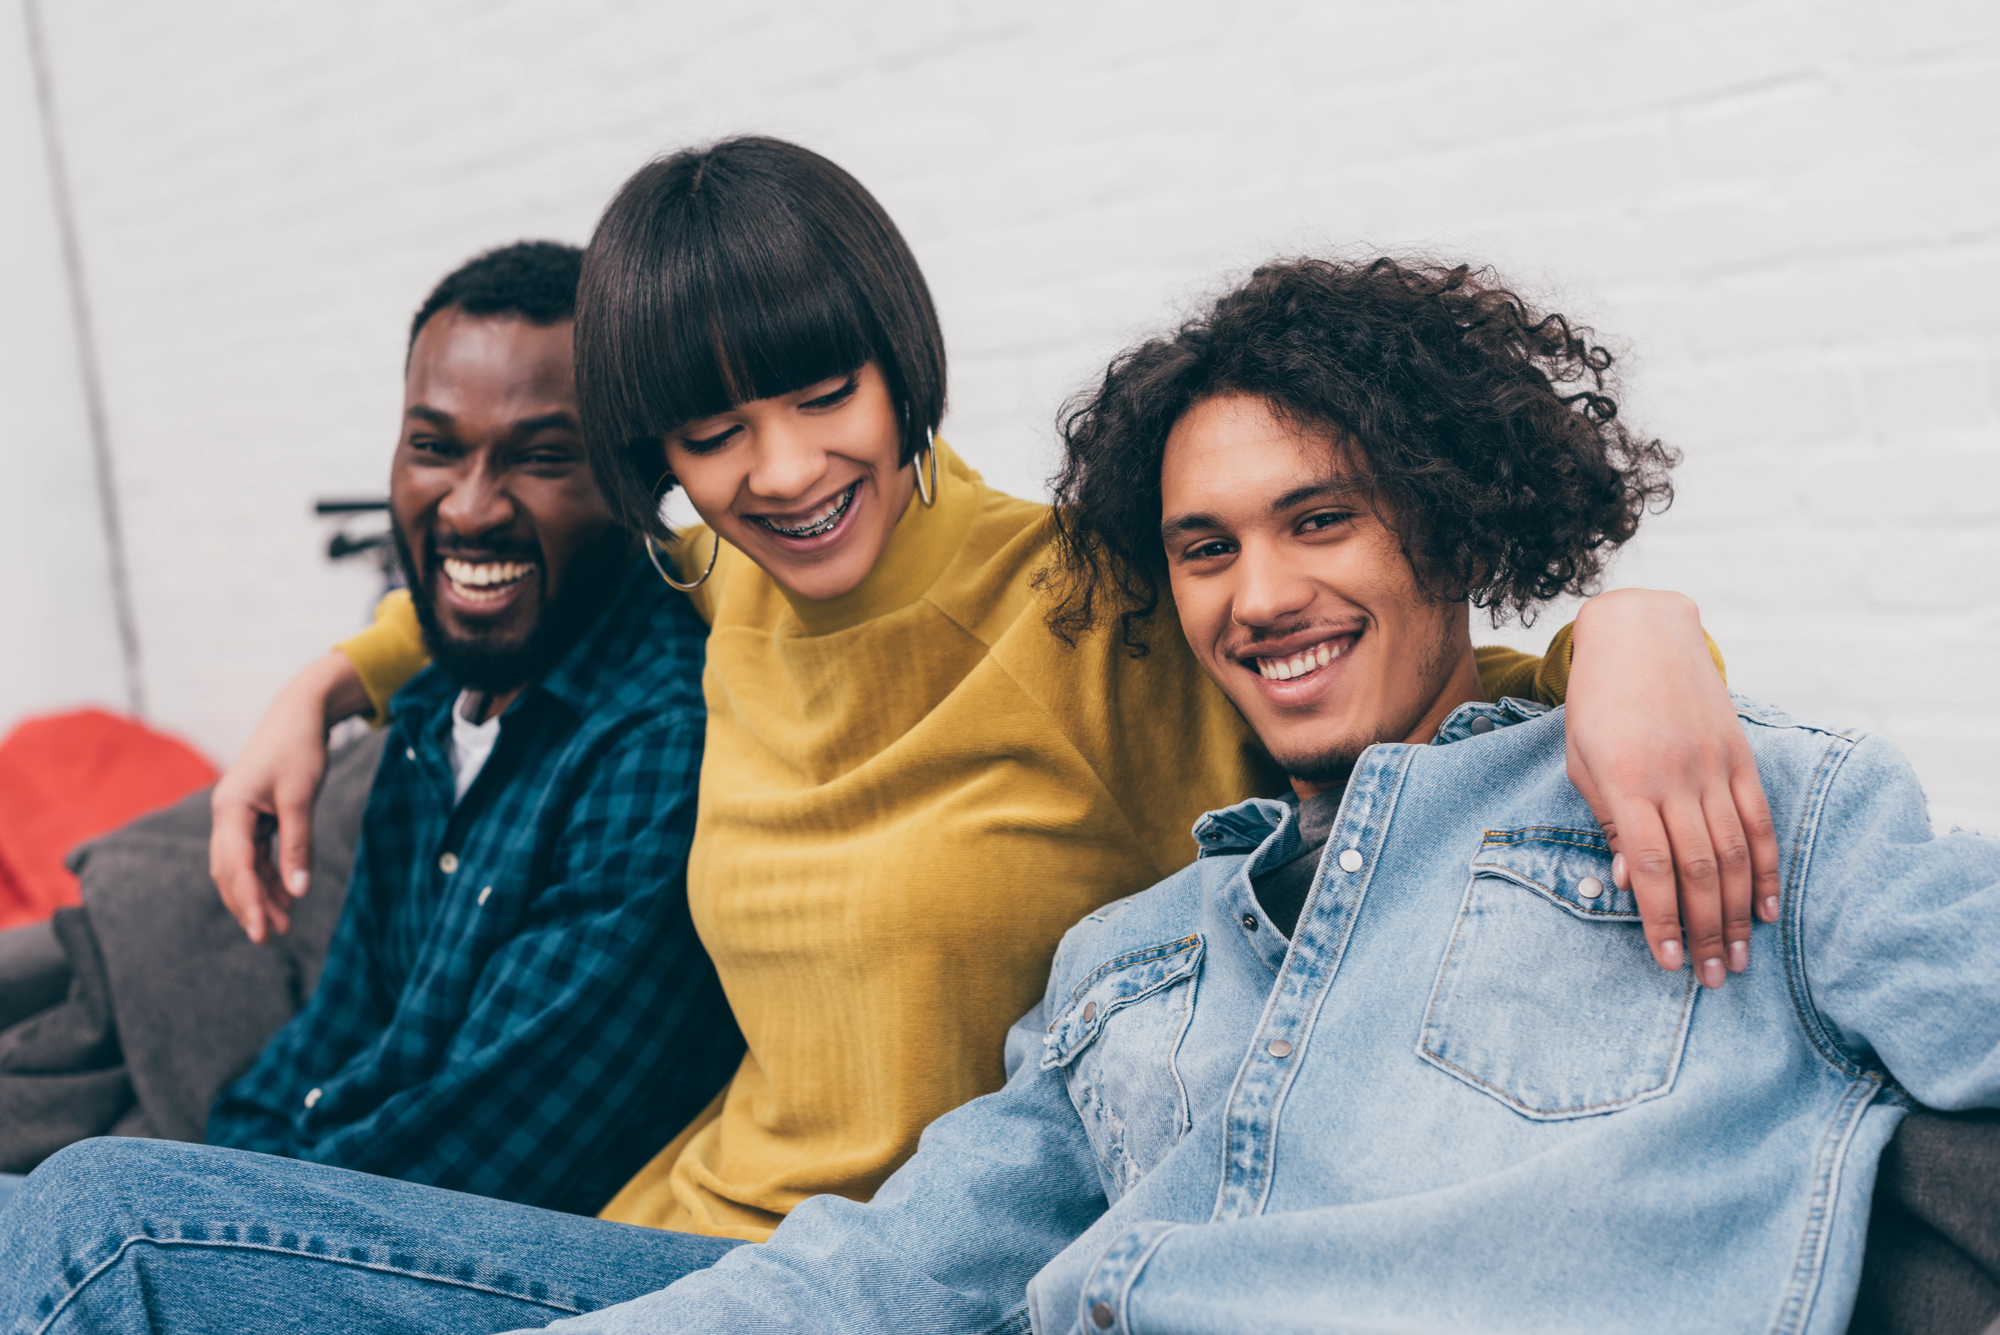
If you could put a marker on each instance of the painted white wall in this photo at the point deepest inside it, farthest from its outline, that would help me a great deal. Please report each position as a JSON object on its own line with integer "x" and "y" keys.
{"x": 59, "y": 643}
{"x": 1786, "y": 209}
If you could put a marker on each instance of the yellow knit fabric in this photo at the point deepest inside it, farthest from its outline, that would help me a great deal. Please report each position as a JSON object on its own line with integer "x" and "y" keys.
{"x": 908, "y": 794}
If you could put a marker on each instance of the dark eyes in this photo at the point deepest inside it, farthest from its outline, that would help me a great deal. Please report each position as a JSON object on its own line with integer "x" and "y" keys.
{"x": 1204, "y": 551}
{"x": 1324, "y": 520}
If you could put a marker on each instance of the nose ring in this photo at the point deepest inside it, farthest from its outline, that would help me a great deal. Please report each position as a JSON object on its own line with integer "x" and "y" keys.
{"x": 1232, "y": 617}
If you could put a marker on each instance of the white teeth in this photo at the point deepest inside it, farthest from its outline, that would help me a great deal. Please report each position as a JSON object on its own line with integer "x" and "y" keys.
{"x": 484, "y": 581}
{"x": 1300, "y": 663}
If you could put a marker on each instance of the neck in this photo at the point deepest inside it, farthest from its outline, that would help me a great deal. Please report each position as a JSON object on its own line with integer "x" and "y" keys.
{"x": 1461, "y": 686}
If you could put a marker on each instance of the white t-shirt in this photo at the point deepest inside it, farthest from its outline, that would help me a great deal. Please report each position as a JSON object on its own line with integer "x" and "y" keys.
{"x": 471, "y": 742}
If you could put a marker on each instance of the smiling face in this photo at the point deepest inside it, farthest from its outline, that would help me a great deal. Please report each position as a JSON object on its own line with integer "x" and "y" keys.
{"x": 808, "y": 484}
{"x": 1296, "y": 597}
{"x": 506, "y": 542}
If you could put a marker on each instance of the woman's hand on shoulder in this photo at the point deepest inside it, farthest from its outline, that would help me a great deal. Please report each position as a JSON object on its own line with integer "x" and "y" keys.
{"x": 269, "y": 789}
{"x": 1657, "y": 751}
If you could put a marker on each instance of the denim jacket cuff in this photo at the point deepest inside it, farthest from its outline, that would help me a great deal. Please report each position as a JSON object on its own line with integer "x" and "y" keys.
{"x": 1109, "y": 1286}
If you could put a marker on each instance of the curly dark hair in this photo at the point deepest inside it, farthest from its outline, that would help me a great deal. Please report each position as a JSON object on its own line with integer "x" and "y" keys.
{"x": 1487, "y": 432}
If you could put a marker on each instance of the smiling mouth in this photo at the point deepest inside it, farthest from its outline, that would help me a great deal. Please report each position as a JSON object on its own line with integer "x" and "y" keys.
{"x": 484, "y": 581}
{"x": 816, "y": 522}
{"x": 1306, "y": 661}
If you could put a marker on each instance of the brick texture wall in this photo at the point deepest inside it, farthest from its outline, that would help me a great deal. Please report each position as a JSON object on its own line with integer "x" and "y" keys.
{"x": 1785, "y": 212}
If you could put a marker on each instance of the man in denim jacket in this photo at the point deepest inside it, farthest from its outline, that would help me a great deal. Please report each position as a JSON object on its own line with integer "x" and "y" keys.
{"x": 1389, "y": 1055}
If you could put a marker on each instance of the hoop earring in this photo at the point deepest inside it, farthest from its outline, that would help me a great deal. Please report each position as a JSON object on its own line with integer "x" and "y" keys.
{"x": 653, "y": 555}
{"x": 928, "y": 495}
{"x": 653, "y": 550}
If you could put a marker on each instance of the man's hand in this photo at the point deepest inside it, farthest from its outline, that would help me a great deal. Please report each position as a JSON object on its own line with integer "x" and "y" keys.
{"x": 1656, "y": 749}
{"x": 270, "y": 790}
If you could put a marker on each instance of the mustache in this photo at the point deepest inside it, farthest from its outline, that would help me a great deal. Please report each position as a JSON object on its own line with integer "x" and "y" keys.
{"x": 498, "y": 548}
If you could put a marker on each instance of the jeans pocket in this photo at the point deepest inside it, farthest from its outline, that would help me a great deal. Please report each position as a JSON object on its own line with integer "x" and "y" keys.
{"x": 1548, "y": 998}
{"x": 1115, "y": 1040}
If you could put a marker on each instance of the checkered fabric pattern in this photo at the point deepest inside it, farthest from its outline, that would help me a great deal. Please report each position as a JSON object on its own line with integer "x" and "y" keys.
{"x": 515, "y": 1002}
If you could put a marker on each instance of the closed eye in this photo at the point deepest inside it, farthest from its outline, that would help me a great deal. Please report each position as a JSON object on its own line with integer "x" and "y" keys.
{"x": 837, "y": 397}
{"x": 707, "y": 443}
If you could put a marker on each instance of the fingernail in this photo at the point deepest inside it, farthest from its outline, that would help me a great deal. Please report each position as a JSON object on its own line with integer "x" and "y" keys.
{"x": 1670, "y": 955}
{"x": 1771, "y": 908}
{"x": 1712, "y": 974}
{"x": 297, "y": 881}
{"x": 1739, "y": 956}
{"x": 1618, "y": 871}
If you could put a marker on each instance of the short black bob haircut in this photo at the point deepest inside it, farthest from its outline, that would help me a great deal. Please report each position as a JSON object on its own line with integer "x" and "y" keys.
{"x": 535, "y": 280}
{"x": 744, "y": 270}
{"x": 1486, "y": 430}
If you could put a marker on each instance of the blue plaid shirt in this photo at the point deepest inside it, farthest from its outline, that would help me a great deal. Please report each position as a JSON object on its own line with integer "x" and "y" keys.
{"x": 515, "y": 1002}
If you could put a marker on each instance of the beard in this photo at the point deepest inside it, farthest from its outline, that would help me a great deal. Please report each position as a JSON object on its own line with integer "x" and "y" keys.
{"x": 497, "y": 662}
{"x": 1329, "y": 766}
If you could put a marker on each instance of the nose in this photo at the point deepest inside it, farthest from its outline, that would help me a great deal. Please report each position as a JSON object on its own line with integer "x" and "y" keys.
{"x": 785, "y": 466}
{"x": 1269, "y": 589}
{"x": 477, "y": 503}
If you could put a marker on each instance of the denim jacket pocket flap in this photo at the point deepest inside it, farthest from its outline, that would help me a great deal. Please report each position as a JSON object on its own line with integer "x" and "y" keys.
{"x": 1113, "y": 986}
{"x": 1548, "y": 998}
{"x": 1569, "y": 868}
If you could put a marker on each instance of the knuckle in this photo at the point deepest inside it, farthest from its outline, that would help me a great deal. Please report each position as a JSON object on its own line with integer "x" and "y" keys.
{"x": 1699, "y": 869}
{"x": 1734, "y": 856}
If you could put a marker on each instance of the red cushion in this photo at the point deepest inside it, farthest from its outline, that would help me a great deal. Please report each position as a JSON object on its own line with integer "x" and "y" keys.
{"x": 65, "y": 778}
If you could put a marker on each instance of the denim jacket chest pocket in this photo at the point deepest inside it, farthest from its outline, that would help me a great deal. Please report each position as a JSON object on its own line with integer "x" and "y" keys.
{"x": 1548, "y": 999}
{"x": 1115, "y": 1041}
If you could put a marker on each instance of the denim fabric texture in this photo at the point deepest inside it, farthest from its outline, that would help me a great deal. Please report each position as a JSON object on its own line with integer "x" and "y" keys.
{"x": 151, "y": 1236}
{"x": 515, "y": 1003}
{"x": 1462, "y": 1098}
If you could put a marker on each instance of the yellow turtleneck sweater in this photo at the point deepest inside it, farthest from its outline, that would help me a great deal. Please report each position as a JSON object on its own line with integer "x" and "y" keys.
{"x": 908, "y": 794}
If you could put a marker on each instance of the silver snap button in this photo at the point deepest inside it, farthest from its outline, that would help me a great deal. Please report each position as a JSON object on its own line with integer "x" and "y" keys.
{"x": 1089, "y": 1011}
{"x": 1481, "y": 726}
{"x": 1350, "y": 859}
{"x": 1102, "y": 1316}
{"x": 1249, "y": 922}
{"x": 312, "y": 1097}
{"x": 409, "y": 753}
{"x": 1590, "y": 887}
{"x": 1279, "y": 1048}
{"x": 483, "y": 896}
{"x": 448, "y": 863}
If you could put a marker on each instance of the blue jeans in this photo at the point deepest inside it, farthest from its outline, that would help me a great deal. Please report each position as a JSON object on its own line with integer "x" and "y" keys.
{"x": 150, "y": 1235}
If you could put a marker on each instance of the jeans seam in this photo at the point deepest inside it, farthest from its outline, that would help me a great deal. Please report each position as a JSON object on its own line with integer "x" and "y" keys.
{"x": 118, "y": 1254}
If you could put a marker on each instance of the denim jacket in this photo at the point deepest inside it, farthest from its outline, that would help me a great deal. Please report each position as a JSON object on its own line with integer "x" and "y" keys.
{"x": 1463, "y": 1098}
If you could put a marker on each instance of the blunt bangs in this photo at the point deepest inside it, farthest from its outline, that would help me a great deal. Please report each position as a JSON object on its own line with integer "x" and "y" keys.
{"x": 743, "y": 271}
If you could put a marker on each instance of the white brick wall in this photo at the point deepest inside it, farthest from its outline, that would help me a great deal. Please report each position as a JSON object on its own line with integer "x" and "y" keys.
{"x": 1788, "y": 209}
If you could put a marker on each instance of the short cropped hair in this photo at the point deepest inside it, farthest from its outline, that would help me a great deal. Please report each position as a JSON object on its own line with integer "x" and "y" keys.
{"x": 535, "y": 280}
{"x": 744, "y": 270}
{"x": 1486, "y": 430}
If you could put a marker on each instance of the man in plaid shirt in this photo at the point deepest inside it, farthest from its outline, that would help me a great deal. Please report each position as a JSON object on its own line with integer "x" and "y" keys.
{"x": 515, "y": 1002}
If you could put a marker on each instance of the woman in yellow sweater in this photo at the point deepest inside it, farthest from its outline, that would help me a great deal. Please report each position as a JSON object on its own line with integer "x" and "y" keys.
{"x": 911, "y": 785}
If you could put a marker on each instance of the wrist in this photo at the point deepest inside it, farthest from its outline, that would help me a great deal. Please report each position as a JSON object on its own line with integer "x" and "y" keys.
{"x": 1626, "y": 608}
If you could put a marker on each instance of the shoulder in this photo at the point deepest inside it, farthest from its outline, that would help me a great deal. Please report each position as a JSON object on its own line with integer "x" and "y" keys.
{"x": 1166, "y": 914}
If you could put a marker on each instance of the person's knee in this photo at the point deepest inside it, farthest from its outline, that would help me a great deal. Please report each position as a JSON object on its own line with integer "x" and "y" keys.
{"x": 97, "y": 1176}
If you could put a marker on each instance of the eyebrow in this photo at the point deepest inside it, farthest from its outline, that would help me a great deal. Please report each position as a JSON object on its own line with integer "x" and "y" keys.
{"x": 1197, "y": 521}
{"x": 527, "y": 426}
